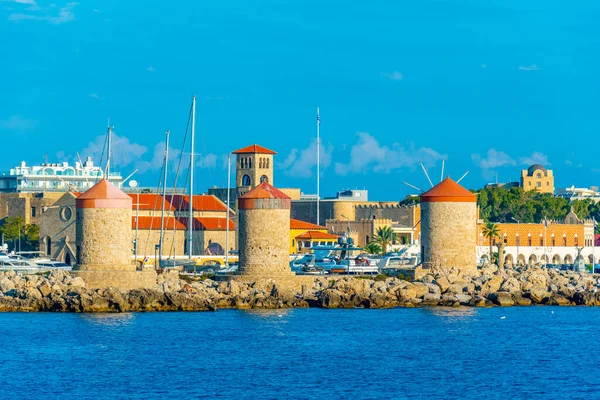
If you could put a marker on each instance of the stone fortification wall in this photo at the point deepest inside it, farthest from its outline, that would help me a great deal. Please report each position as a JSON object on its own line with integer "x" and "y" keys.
{"x": 264, "y": 236}
{"x": 104, "y": 239}
{"x": 448, "y": 230}
{"x": 402, "y": 215}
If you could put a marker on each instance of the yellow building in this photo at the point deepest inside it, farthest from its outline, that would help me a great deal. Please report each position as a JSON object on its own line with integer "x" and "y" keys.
{"x": 304, "y": 235}
{"x": 538, "y": 178}
{"x": 530, "y": 243}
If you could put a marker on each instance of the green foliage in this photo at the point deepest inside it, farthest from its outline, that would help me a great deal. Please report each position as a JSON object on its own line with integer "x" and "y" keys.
{"x": 384, "y": 237}
{"x": 15, "y": 228}
{"x": 490, "y": 231}
{"x": 410, "y": 200}
{"x": 501, "y": 205}
{"x": 372, "y": 248}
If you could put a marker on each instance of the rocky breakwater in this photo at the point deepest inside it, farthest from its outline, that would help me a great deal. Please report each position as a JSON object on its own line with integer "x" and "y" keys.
{"x": 490, "y": 286}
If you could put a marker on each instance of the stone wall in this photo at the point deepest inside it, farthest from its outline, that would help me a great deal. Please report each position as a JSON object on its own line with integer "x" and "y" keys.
{"x": 447, "y": 235}
{"x": 104, "y": 239}
{"x": 27, "y": 205}
{"x": 402, "y": 215}
{"x": 264, "y": 242}
{"x": 57, "y": 228}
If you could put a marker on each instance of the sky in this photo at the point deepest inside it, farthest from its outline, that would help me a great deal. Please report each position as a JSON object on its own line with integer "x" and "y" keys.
{"x": 488, "y": 86}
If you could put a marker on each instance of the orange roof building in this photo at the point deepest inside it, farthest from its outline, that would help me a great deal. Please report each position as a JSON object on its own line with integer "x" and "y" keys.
{"x": 254, "y": 149}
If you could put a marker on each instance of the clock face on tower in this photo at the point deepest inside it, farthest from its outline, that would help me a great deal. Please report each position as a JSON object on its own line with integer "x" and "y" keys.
{"x": 65, "y": 213}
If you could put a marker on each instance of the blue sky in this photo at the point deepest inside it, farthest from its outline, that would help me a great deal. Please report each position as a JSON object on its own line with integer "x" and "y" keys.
{"x": 488, "y": 86}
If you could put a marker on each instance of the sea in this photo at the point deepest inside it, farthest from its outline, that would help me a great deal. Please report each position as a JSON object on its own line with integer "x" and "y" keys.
{"x": 425, "y": 353}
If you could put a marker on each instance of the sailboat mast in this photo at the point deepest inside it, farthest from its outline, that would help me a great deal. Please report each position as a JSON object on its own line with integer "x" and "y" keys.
{"x": 191, "y": 215}
{"x": 109, "y": 133}
{"x": 228, "y": 199}
{"x": 318, "y": 165}
{"x": 164, "y": 195}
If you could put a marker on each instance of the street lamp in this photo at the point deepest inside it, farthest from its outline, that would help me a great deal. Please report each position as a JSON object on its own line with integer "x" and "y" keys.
{"x": 518, "y": 236}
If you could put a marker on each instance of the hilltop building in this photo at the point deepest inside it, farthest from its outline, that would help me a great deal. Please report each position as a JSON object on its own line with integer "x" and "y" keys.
{"x": 55, "y": 177}
{"x": 538, "y": 178}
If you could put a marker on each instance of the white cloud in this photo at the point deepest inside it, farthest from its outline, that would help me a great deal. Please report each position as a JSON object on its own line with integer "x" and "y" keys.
{"x": 96, "y": 10}
{"x": 300, "y": 163}
{"x": 493, "y": 159}
{"x": 207, "y": 161}
{"x": 532, "y": 67}
{"x": 535, "y": 158}
{"x": 394, "y": 76}
{"x": 124, "y": 153}
{"x": 29, "y": 2}
{"x": 568, "y": 162}
{"x": 150, "y": 69}
{"x": 368, "y": 155}
{"x": 95, "y": 96}
{"x": 17, "y": 123}
{"x": 65, "y": 14}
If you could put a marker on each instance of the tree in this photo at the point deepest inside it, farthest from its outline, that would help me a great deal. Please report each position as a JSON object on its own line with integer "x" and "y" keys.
{"x": 15, "y": 229}
{"x": 491, "y": 230}
{"x": 384, "y": 237}
{"x": 372, "y": 248}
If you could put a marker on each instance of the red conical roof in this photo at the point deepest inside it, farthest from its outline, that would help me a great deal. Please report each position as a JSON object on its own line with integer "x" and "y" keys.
{"x": 104, "y": 195}
{"x": 448, "y": 191}
{"x": 265, "y": 191}
{"x": 263, "y": 197}
{"x": 254, "y": 149}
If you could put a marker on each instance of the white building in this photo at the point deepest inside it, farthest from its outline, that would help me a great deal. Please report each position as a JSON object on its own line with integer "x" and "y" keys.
{"x": 573, "y": 193}
{"x": 55, "y": 177}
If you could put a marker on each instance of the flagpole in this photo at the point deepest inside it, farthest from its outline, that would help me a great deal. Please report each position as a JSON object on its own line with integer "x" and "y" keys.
{"x": 593, "y": 244}
{"x": 318, "y": 165}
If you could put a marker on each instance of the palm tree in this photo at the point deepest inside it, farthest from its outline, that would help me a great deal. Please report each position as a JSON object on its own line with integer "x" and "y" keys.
{"x": 490, "y": 231}
{"x": 372, "y": 248}
{"x": 384, "y": 237}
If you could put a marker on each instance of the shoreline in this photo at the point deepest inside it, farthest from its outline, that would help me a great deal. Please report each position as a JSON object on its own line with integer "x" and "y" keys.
{"x": 488, "y": 287}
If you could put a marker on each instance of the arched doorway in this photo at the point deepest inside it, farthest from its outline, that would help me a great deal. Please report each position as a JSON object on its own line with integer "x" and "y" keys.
{"x": 48, "y": 246}
{"x": 509, "y": 259}
{"x": 68, "y": 259}
{"x": 521, "y": 259}
{"x": 545, "y": 259}
{"x": 264, "y": 178}
{"x": 532, "y": 259}
{"x": 568, "y": 259}
{"x": 556, "y": 259}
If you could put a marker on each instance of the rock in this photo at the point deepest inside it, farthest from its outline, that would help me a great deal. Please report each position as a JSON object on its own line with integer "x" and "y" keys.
{"x": 443, "y": 283}
{"x": 503, "y": 299}
{"x": 522, "y": 301}
{"x": 463, "y": 299}
{"x": 493, "y": 285}
{"x": 77, "y": 282}
{"x": 331, "y": 298}
{"x": 6, "y": 284}
{"x": 538, "y": 294}
{"x": 511, "y": 285}
{"x": 407, "y": 293}
{"x": 556, "y": 299}
{"x": 45, "y": 289}
{"x": 420, "y": 290}
{"x": 433, "y": 288}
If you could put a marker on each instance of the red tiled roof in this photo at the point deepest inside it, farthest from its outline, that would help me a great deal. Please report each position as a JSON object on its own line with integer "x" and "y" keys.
{"x": 209, "y": 224}
{"x": 297, "y": 224}
{"x": 265, "y": 191}
{"x": 317, "y": 235}
{"x": 254, "y": 149}
{"x": 200, "y": 203}
{"x": 448, "y": 191}
{"x": 153, "y": 223}
{"x": 150, "y": 201}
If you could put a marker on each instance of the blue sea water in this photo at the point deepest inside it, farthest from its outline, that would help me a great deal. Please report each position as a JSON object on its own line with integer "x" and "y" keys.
{"x": 497, "y": 353}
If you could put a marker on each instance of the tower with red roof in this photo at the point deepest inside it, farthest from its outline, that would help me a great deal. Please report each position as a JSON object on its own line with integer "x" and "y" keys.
{"x": 449, "y": 228}
{"x": 264, "y": 233}
{"x": 254, "y": 165}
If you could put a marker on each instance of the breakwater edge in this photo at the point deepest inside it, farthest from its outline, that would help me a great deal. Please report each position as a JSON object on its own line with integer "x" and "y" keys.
{"x": 488, "y": 287}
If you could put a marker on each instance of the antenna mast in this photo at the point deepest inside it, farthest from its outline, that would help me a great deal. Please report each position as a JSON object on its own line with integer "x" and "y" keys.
{"x": 318, "y": 164}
